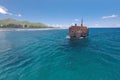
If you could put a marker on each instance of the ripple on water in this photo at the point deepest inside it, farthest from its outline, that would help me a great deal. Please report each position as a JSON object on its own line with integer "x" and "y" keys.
{"x": 45, "y": 56}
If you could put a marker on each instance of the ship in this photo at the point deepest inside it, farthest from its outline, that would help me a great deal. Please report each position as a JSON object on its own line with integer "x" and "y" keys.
{"x": 77, "y": 32}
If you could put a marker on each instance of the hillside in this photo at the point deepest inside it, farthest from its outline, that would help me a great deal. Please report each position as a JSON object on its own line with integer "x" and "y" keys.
{"x": 12, "y": 23}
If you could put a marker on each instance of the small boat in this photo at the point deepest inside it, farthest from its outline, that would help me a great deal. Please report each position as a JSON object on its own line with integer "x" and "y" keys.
{"x": 76, "y": 31}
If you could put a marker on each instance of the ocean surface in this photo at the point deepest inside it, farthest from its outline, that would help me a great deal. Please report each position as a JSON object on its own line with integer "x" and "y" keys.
{"x": 49, "y": 55}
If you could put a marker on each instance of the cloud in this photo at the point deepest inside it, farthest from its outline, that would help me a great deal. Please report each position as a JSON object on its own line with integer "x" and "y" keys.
{"x": 76, "y": 19}
{"x": 19, "y": 15}
{"x": 63, "y": 26}
{"x": 112, "y": 16}
{"x": 97, "y": 25}
{"x": 5, "y": 11}
{"x": 117, "y": 25}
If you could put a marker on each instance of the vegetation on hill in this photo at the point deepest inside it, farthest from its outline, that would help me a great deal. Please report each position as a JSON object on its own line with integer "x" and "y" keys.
{"x": 12, "y": 23}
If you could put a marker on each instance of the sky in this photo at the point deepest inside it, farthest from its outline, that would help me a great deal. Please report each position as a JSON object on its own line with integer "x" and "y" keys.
{"x": 95, "y": 13}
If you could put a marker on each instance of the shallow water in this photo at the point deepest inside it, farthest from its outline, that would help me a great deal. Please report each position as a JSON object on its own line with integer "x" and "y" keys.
{"x": 49, "y": 55}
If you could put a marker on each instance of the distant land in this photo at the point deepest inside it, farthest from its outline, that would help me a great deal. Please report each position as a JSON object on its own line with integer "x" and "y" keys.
{"x": 12, "y": 23}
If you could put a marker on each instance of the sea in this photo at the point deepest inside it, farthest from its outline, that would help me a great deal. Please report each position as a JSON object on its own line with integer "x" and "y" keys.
{"x": 51, "y": 55}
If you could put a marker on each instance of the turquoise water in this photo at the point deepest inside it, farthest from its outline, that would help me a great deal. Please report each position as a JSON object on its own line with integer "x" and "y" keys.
{"x": 49, "y": 55}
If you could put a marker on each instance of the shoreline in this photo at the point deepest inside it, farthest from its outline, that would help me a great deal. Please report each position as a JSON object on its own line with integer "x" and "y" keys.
{"x": 27, "y": 29}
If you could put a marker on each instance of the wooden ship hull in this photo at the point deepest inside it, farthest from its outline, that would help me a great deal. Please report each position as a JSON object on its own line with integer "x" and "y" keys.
{"x": 78, "y": 31}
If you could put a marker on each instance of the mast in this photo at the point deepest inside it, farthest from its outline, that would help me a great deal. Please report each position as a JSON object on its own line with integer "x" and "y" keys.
{"x": 82, "y": 22}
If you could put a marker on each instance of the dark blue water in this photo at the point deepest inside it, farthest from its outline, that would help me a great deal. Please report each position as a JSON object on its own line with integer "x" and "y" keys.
{"x": 49, "y": 55}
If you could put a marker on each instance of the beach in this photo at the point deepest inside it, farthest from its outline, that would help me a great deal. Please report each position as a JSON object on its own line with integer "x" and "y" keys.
{"x": 26, "y": 29}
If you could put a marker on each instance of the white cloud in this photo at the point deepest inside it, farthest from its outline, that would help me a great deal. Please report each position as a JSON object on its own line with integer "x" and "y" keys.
{"x": 97, "y": 25}
{"x": 5, "y": 11}
{"x": 112, "y": 16}
{"x": 63, "y": 26}
{"x": 76, "y": 19}
{"x": 117, "y": 25}
{"x": 19, "y": 15}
